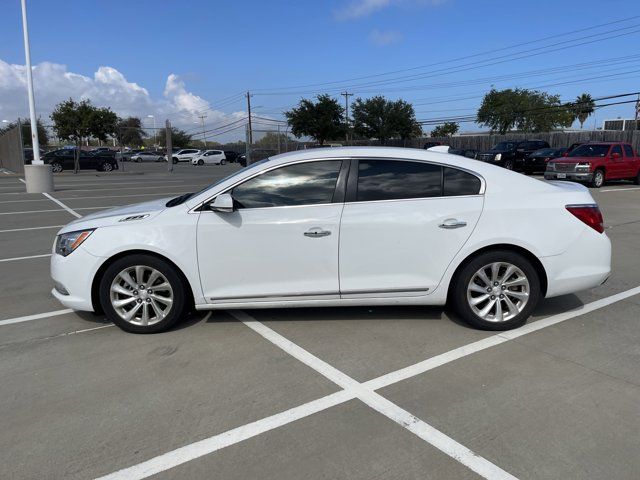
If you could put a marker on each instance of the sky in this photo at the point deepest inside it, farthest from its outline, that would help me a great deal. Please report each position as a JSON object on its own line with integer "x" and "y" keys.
{"x": 179, "y": 60}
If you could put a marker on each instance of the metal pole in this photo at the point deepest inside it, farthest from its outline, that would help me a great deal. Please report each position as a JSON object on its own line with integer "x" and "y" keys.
{"x": 155, "y": 139}
{"x": 249, "y": 112}
{"x": 279, "y": 139}
{"x": 167, "y": 129}
{"x": 346, "y": 96}
{"x": 204, "y": 138}
{"x": 35, "y": 142}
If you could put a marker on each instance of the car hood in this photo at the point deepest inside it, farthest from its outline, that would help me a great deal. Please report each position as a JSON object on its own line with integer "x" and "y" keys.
{"x": 115, "y": 215}
{"x": 575, "y": 159}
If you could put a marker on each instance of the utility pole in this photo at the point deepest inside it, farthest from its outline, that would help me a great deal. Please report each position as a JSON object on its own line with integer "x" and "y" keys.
{"x": 167, "y": 130}
{"x": 637, "y": 112}
{"x": 279, "y": 139}
{"x": 346, "y": 96}
{"x": 204, "y": 139}
{"x": 249, "y": 130}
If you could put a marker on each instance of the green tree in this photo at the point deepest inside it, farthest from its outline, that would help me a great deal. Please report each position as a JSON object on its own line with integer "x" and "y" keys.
{"x": 179, "y": 138}
{"x": 383, "y": 119}
{"x": 270, "y": 140}
{"x": 583, "y": 107}
{"x": 43, "y": 136}
{"x": 447, "y": 129}
{"x": 321, "y": 120}
{"x": 75, "y": 121}
{"x": 525, "y": 110}
{"x": 130, "y": 132}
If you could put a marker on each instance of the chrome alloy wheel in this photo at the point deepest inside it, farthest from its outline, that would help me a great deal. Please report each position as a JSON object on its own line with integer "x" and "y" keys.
{"x": 498, "y": 292}
{"x": 141, "y": 295}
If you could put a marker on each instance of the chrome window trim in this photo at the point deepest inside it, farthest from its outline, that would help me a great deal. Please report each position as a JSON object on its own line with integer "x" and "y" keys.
{"x": 482, "y": 191}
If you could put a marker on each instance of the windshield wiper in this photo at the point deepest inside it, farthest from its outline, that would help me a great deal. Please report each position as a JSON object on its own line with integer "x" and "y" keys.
{"x": 178, "y": 200}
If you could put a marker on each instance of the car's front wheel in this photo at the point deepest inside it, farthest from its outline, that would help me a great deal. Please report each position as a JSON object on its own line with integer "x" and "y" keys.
{"x": 200, "y": 162}
{"x": 107, "y": 167}
{"x": 509, "y": 164}
{"x": 496, "y": 290}
{"x": 142, "y": 294}
{"x": 598, "y": 178}
{"x": 56, "y": 167}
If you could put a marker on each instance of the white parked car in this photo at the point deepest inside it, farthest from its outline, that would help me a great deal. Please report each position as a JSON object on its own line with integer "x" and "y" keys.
{"x": 340, "y": 226}
{"x": 210, "y": 157}
{"x": 185, "y": 155}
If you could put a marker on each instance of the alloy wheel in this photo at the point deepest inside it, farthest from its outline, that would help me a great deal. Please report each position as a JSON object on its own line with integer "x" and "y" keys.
{"x": 498, "y": 292}
{"x": 141, "y": 295}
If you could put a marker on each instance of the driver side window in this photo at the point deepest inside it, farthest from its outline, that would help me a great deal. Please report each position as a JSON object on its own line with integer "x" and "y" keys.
{"x": 309, "y": 183}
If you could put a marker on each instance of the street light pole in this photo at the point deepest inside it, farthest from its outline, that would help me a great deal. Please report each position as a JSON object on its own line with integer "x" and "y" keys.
{"x": 38, "y": 176}
{"x": 155, "y": 140}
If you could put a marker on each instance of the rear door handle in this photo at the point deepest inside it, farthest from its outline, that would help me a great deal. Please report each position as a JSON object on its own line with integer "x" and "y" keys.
{"x": 317, "y": 232}
{"x": 451, "y": 223}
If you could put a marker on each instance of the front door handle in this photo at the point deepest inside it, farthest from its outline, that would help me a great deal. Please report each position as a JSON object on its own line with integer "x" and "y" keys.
{"x": 317, "y": 232}
{"x": 451, "y": 223}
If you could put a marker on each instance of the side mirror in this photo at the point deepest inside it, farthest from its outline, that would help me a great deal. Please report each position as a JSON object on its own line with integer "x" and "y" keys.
{"x": 615, "y": 155}
{"x": 222, "y": 203}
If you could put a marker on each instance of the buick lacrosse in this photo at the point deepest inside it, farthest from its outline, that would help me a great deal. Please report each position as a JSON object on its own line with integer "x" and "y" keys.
{"x": 338, "y": 227}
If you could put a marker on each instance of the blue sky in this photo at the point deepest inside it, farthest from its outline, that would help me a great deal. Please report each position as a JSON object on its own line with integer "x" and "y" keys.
{"x": 176, "y": 59}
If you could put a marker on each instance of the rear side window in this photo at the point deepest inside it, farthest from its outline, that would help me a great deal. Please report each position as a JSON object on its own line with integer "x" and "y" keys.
{"x": 628, "y": 151}
{"x": 616, "y": 149}
{"x": 456, "y": 182}
{"x": 309, "y": 183}
{"x": 394, "y": 180}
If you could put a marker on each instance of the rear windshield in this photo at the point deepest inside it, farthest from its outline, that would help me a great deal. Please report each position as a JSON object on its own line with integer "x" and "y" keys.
{"x": 590, "y": 150}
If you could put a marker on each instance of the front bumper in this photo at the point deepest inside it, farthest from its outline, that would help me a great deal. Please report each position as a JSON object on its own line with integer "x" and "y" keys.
{"x": 72, "y": 276}
{"x": 572, "y": 176}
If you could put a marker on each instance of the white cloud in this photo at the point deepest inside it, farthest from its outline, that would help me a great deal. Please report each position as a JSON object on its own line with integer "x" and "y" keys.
{"x": 108, "y": 87}
{"x": 361, "y": 8}
{"x": 384, "y": 38}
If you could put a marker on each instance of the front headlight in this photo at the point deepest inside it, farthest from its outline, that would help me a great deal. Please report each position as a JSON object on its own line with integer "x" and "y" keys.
{"x": 68, "y": 242}
{"x": 583, "y": 166}
{"x": 498, "y": 156}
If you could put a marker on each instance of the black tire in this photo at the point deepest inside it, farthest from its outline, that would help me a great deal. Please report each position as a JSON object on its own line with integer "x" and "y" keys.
{"x": 201, "y": 162}
{"x": 56, "y": 167}
{"x": 458, "y": 293}
{"x": 174, "y": 278}
{"x": 509, "y": 164}
{"x": 637, "y": 179}
{"x": 106, "y": 167}
{"x": 598, "y": 179}
{"x": 175, "y": 160}
{"x": 223, "y": 162}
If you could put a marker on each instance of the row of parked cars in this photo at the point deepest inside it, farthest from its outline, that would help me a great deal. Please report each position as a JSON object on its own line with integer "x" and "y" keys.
{"x": 592, "y": 163}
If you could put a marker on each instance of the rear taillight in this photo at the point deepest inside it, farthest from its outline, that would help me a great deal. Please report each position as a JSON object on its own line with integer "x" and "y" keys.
{"x": 588, "y": 214}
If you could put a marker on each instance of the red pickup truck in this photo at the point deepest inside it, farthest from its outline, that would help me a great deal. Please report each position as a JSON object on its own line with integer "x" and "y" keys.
{"x": 594, "y": 163}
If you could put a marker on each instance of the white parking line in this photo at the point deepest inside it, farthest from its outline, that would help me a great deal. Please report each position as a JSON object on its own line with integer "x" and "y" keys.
{"x": 30, "y": 228}
{"x": 619, "y": 189}
{"x": 58, "y": 210}
{"x": 24, "y": 258}
{"x": 68, "y": 209}
{"x": 38, "y": 316}
{"x": 212, "y": 444}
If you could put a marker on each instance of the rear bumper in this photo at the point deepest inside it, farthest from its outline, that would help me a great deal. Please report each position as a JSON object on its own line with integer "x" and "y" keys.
{"x": 573, "y": 176}
{"x": 586, "y": 264}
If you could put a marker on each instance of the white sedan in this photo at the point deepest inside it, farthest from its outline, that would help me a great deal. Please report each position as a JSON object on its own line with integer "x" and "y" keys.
{"x": 334, "y": 227}
{"x": 210, "y": 157}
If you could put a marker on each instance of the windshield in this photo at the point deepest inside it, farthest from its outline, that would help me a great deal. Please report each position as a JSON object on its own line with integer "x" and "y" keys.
{"x": 544, "y": 152}
{"x": 183, "y": 198}
{"x": 590, "y": 150}
{"x": 502, "y": 146}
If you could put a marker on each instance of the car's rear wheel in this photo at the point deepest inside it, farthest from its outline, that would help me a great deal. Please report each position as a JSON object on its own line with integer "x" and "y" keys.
{"x": 496, "y": 290}
{"x": 107, "y": 167}
{"x": 200, "y": 162}
{"x": 175, "y": 160}
{"x": 142, "y": 294}
{"x": 56, "y": 167}
{"x": 223, "y": 162}
{"x": 598, "y": 178}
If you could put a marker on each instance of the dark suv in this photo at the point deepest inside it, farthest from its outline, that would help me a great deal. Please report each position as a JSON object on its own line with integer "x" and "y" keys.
{"x": 511, "y": 154}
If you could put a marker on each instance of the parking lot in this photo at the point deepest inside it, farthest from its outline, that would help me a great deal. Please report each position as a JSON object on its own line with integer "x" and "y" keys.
{"x": 358, "y": 393}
